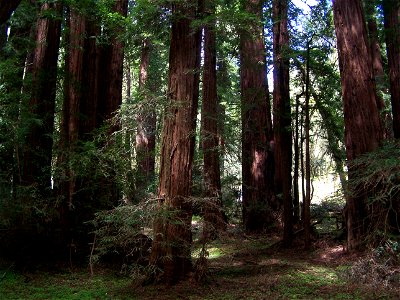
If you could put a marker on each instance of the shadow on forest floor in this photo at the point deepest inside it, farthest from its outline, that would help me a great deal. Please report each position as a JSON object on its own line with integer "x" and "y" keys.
{"x": 240, "y": 267}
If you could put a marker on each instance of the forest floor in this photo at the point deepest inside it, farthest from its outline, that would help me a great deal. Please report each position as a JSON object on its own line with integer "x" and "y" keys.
{"x": 239, "y": 267}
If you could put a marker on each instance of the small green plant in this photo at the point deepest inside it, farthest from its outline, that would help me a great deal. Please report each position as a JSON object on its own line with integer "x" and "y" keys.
{"x": 377, "y": 175}
{"x": 379, "y": 268}
{"x": 122, "y": 236}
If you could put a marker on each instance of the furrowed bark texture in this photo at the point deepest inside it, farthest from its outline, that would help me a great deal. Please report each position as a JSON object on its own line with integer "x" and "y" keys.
{"x": 145, "y": 135}
{"x": 257, "y": 169}
{"x": 363, "y": 131}
{"x": 172, "y": 241}
{"x": 213, "y": 217}
{"x": 282, "y": 115}
{"x": 37, "y": 154}
{"x": 391, "y": 10}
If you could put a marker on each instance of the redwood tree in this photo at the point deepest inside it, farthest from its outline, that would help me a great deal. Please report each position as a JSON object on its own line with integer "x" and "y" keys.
{"x": 37, "y": 153}
{"x": 213, "y": 216}
{"x": 69, "y": 131}
{"x": 256, "y": 124}
{"x": 111, "y": 70}
{"x": 172, "y": 230}
{"x": 282, "y": 115}
{"x": 363, "y": 132}
{"x": 391, "y": 11}
{"x": 145, "y": 135}
{"x": 89, "y": 100}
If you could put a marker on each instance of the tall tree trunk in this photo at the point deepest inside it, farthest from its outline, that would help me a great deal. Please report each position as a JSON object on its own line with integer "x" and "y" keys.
{"x": 213, "y": 217}
{"x": 89, "y": 100}
{"x": 256, "y": 126}
{"x": 37, "y": 155}
{"x": 89, "y": 86}
{"x": 72, "y": 99}
{"x": 66, "y": 183}
{"x": 145, "y": 135}
{"x": 307, "y": 199}
{"x": 391, "y": 11}
{"x": 363, "y": 132}
{"x": 282, "y": 115}
{"x": 376, "y": 57}
{"x": 296, "y": 165}
{"x": 223, "y": 83}
{"x": 172, "y": 233}
{"x": 115, "y": 65}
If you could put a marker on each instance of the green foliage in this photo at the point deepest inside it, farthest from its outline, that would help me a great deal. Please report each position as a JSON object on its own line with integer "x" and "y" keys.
{"x": 377, "y": 175}
{"x": 378, "y": 269}
{"x": 329, "y": 216}
{"x": 121, "y": 236}
{"x": 60, "y": 286}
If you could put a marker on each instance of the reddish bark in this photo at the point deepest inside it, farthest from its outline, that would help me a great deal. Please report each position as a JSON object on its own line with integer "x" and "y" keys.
{"x": 391, "y": 10}
{"x": 72, "y": 97}
{"x": 256, "y": 126}
{"x": 363, "y": 131}
{"x": 145, "y": 135}
{"x": 172, "y": 242}
{"x": 111, "y": 73}
{"x": 88, "y": 105}
{"x": 37, "y": 154}
{"x": 282, "y": 115}
{"x": 213, "y": 217}
{"x": 379, "y": 74}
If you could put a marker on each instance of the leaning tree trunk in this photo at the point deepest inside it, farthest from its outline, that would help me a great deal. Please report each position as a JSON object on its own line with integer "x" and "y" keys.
{"x": 391, "y": 11}
{"x": 363, "y": 132}
{"x": 256, "y": 126}
{"x": 213, "y": 216}
{"x": 172, "y": 230}
{"x": 282, "y": 115}
{"x": 37, "y": 154}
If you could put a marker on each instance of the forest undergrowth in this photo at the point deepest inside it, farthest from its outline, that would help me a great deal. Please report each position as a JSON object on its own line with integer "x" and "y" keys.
{"x": 240, "y": 266}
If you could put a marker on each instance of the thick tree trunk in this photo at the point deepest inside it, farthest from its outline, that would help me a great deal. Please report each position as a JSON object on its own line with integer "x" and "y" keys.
{"x": 213, "y": 217}
{"x": 363, "y": 132}
{"x": 282, "y": 115}
{"x": 391, "y": 10}
{"x": 37, "y": 154}
{"x": 90, "y": 98}
{"x": 145, "y": 135}
{"x": 111, "y": 73}
{"x": 72, "y": 100}
{"x": 223, "y": 83}
{"x": 379, "y": 74}
{"x": 374, "y": 43}
{"x": 89, "y": 88}
{"x": 172, "y": 231}
{"x": 257, "y": 170}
